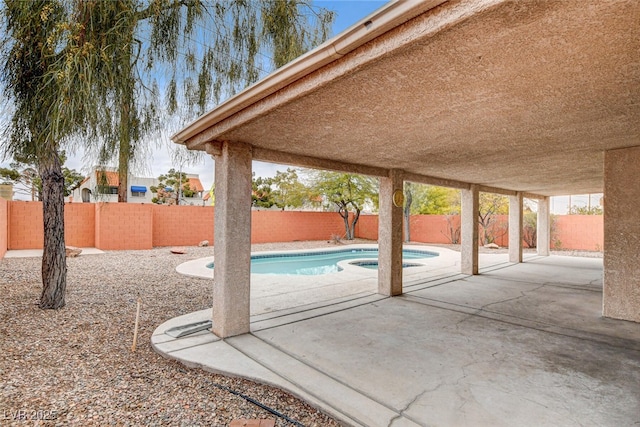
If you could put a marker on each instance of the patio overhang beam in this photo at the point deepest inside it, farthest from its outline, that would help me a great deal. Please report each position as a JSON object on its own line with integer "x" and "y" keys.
{"x": 430, "y": 180}
{"x": 271, "y": 156}
{"x": 496, "y": 190}
{"x": 534, "y": 196}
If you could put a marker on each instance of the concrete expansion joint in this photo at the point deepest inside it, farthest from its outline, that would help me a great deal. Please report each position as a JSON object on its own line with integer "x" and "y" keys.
{"x": 401, "y": 414}
{"x": 522, "y": 294}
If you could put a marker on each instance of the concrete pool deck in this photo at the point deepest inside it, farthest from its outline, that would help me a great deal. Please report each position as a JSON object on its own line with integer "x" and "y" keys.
{"x": 520, "y": 344}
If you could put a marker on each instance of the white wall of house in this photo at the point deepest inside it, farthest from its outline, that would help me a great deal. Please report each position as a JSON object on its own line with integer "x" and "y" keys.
{"x": 88, "y": 191}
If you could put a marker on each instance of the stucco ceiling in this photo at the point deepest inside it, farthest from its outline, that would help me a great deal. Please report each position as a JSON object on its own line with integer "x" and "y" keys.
{"x": 520, "y": 95}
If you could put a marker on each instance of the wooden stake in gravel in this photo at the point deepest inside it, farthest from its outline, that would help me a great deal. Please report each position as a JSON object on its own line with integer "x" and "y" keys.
{"x": 135, "y": 328}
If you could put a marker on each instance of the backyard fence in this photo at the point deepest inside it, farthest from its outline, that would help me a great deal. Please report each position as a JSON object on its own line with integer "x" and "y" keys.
{"x": 120, "y": 226}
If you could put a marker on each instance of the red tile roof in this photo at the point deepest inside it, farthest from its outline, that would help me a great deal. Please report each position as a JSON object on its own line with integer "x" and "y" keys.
{"x": 195, "y": 184}
{"x": 112, "y": 178}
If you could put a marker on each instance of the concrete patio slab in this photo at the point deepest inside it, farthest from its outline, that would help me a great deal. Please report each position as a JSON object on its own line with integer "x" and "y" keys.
{"x": 521, "y": 344}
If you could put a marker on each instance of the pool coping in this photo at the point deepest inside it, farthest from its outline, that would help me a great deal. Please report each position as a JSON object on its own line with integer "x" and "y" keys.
{"x": 198, "y": 267}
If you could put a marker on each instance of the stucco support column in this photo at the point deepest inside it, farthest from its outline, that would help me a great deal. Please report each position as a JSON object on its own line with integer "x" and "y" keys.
{"x": 390, "y": 236}
{"x": 621, "y": 290}
{"x": 515, "y": 228}
{"x": 543, "y": 227}
{"x": 232, "y": 240}
{"x": 470, "y": 202}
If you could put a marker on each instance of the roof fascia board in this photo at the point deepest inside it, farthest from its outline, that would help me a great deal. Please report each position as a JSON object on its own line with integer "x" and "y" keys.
{"x": 385, "y": 19}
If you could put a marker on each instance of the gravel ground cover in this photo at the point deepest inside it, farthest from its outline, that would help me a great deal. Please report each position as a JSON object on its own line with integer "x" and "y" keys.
{"x": 75, "y": 366}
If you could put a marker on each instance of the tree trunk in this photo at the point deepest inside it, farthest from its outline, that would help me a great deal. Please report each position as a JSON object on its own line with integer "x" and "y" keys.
{"x": 125, "y": 151}
{"x": 344, "y": 213}
{"x": 54, "y": 261}
{"x": 123, "y": 155}
{"x": 352, "y": 229}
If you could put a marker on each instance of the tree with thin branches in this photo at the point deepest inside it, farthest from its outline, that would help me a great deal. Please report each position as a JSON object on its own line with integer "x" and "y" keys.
{"x": 348, "y": 193}
{"x": 94, "y": 72}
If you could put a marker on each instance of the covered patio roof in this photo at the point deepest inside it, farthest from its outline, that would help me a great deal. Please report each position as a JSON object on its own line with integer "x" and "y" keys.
{"x": 521, "y": 96}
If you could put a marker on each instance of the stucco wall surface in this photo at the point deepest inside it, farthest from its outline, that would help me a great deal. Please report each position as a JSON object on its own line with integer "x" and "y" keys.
{"x": 621, "y": 293}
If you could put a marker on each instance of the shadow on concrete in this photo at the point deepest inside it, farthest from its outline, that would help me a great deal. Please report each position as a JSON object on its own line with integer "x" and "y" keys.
{"x": 521, "y": 344}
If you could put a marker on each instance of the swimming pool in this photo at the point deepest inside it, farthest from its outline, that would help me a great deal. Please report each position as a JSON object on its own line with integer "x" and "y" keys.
{"x": 324, "y": 262}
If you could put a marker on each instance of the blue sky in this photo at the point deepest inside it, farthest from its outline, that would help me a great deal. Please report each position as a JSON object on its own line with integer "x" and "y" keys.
{"x": 349, "y": 11}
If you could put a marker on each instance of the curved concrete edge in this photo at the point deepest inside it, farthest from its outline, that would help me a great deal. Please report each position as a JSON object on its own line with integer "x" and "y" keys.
{"x": 198, "y": 267}
{"x": 233, "y": 357}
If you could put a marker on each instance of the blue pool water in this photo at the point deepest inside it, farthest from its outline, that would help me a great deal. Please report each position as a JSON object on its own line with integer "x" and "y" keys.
{"x": 314, "y": 263}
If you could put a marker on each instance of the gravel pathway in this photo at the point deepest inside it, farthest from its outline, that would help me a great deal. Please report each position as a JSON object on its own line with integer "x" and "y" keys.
{"x": 75, "y": 366}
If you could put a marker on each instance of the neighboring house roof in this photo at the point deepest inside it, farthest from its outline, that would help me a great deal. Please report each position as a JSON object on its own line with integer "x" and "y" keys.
{"x": 195, "y": 184}
{"x": 112, "y": 178}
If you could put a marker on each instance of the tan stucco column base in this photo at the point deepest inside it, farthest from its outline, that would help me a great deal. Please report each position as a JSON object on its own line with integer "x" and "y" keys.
{"x": 470, "y": 201}
{"x": 515, "y": 228}
{"x": 621, "y": 292}
{"x": 390, "y": 236}
{"x": 232, "y": 240}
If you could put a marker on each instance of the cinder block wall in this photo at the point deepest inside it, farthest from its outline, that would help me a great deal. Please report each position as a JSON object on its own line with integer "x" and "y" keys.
{"x": 581, "y": 232}
{"x": 120, "y": 226}
{"x": 290, "y": 226}
{"x": 79, "y": 224}
{"x": 182, "y": 225}
{"x": 577, "y": 232}
{"x": 4, "y": 227}
{"x": 26, "y": 230}
{"x": 424, "y": 228}
{"x": 366, "y": 228}
{"x": 432, "y": 228}
{"x": 113, "y": 226}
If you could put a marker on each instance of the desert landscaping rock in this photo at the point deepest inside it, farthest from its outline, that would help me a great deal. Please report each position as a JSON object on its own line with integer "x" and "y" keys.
{"x": 74, "y": 366}
{"x": 72, "y": 251}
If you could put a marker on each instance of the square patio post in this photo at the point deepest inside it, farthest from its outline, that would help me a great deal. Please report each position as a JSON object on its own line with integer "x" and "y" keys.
{"x": 470, "y": 202}
{"x": 621, "y": 290}
{"x": 232, "y": 240}
{"x": 543, "y": 228}
{"x": 515, "y": 228}
{"x": 390, "y": 235}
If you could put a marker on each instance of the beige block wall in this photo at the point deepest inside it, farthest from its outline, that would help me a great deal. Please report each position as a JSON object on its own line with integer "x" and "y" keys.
{"x": 621, "y": 292}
